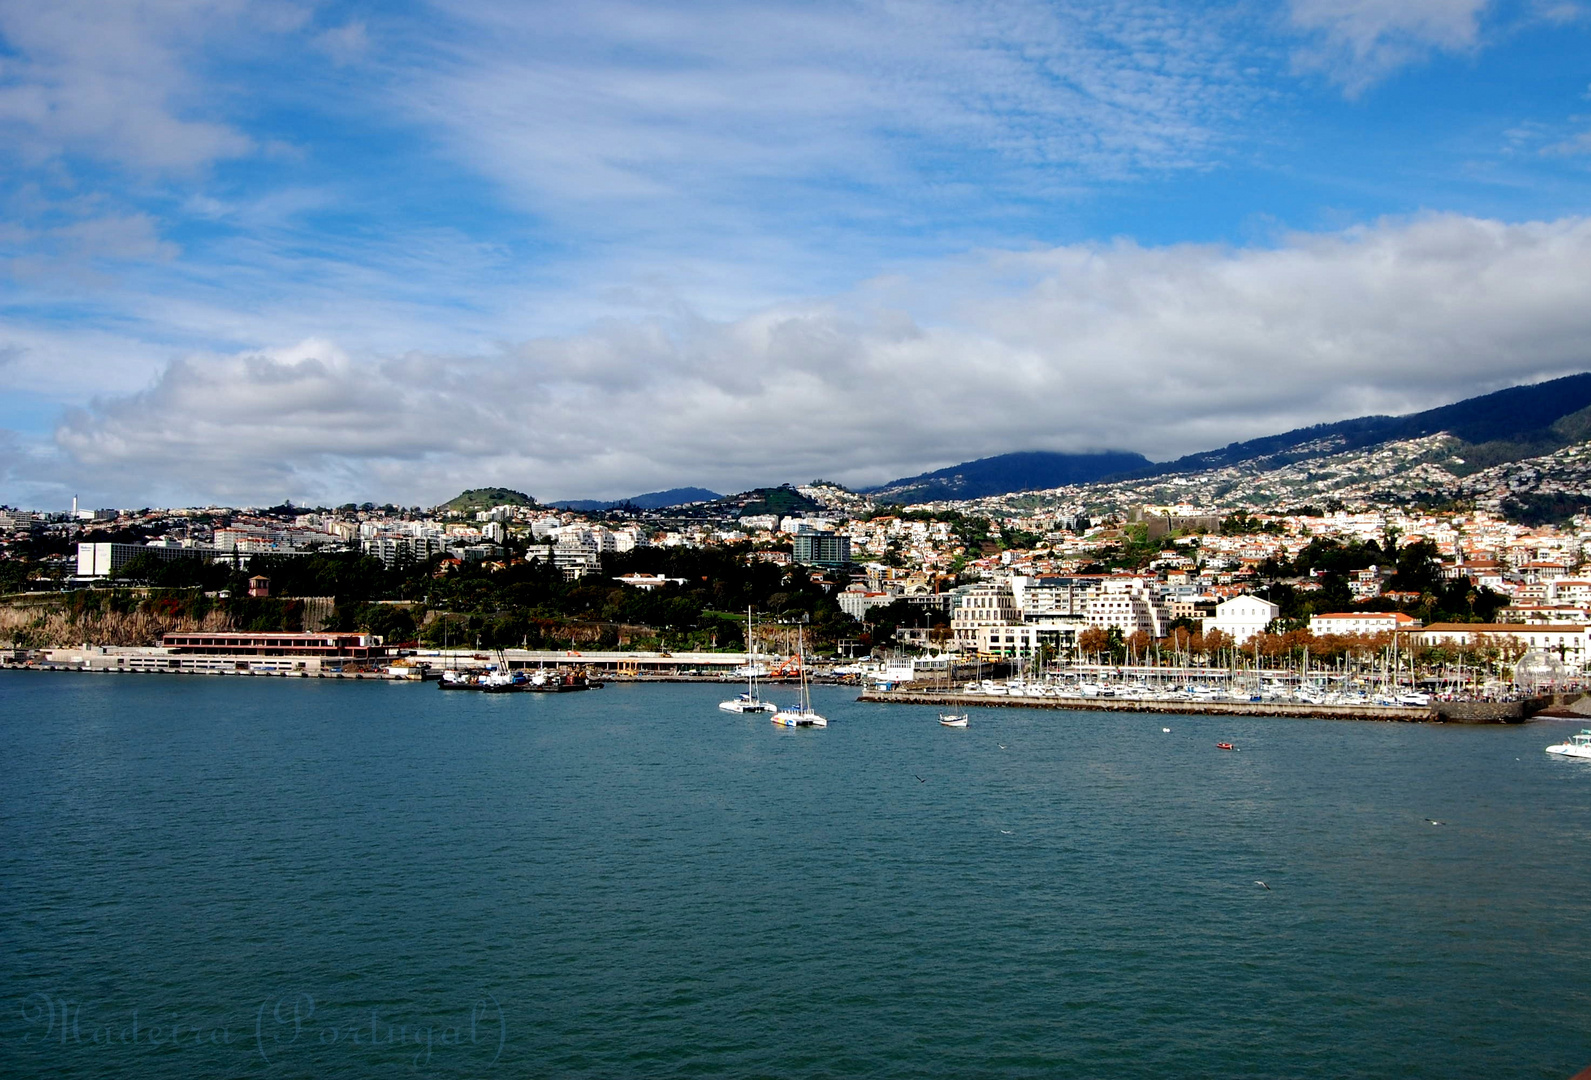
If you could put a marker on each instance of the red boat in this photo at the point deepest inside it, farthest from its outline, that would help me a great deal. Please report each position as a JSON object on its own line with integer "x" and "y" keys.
{"x": 1223, "y": 746}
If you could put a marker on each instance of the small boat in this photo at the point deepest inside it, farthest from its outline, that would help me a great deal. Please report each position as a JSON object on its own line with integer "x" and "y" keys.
{"x": 953, "y": 719}
{"x": 1577, "y": 746}
{"x": 492, "y": 681}
{"x": 1224, "y": 746}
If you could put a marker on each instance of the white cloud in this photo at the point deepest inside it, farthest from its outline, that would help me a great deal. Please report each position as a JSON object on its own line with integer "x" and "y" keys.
{"x": 1163, "y": 350}
{"x": 119, "y": 81}
{"x": 343, "y": 44}
{"x": 1359, "y": 42}
{"x": 810, "y": 111}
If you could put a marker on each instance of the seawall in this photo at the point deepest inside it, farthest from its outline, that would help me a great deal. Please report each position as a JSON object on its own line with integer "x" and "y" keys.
{"x": 1470, "y": 712}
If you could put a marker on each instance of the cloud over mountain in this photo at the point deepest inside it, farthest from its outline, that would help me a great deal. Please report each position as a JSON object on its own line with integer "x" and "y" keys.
{"x": 1161, "y": 350}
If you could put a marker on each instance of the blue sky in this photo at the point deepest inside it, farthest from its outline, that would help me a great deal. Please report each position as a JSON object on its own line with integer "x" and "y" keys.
{"x": 256, "y": 250}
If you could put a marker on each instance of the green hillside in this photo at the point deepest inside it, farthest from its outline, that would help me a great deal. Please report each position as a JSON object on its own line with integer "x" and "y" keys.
{"x": 485, "y": 498}
{"x": 780, "y": 500}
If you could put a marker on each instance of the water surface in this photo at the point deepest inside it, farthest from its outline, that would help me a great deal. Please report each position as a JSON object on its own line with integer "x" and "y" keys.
{"x": 355, "y": 879}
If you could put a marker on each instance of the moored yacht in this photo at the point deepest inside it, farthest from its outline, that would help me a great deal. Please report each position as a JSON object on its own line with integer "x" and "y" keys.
{"x": 749, "y": 701}
{"x": 801, "y": 714}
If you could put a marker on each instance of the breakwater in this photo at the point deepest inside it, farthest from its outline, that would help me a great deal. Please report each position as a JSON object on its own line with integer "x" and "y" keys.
{"x": 1472, "y": 712}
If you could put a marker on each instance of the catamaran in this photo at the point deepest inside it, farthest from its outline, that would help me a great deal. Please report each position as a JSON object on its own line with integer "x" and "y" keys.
{"x": 749, "y": 701}
{"x": 802, "y": 713}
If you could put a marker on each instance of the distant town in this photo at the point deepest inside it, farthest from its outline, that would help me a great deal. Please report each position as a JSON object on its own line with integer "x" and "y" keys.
{"x": 1030, "y": 580}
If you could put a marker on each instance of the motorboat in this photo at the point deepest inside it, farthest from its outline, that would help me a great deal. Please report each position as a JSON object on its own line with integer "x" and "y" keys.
{"x": 953, "y": 719}
{"x": 1577, "y": 746}
{"x": 1224, "y": 746}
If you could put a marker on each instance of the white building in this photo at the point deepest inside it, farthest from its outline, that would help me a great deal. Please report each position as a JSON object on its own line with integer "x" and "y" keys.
{"x": 1057, "y": 638}
{"x": 857, "y": 602}
{"x": 985, "y": 605}
{"x": 1242, "y": 617}
{"x": 1362, "y": 622}
{"x": 1567, "y": 645}
{"x": 1127, "y": 604}
{"x": 648, "y": 582}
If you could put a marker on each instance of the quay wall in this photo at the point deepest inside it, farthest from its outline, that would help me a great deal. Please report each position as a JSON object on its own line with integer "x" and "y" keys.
{"x": 1194, "y": 708}
{"x": 1486, "y": 712}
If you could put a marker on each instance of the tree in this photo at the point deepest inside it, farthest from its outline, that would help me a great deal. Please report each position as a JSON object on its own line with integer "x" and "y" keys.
{"x": 1216, "y": 642}
{"x": 1093, "y": 642}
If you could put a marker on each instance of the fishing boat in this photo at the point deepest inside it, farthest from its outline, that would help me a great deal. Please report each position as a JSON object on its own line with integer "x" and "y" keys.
{"x": 748, "y": 701}
{"x": 953, "y": 719}
{"x": 801, "y": 714}
{"x": 1577, "y": 746}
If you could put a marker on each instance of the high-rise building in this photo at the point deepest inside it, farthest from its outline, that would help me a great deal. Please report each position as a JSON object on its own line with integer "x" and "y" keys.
{"x": 822, "y": 549}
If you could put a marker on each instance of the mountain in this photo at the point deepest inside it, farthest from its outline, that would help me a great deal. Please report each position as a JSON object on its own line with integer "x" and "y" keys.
{"x": 486, "y": 498}
{"x": 1031, "y": 470}
{"x": 652, "y": 500}
{"x": 1509, "y": 425}
{"x": 1493, "y": 429}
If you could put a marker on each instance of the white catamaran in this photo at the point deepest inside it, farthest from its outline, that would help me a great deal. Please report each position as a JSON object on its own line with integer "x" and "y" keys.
{"x": 801, "y": 714}
{"x": 749, "y": 701}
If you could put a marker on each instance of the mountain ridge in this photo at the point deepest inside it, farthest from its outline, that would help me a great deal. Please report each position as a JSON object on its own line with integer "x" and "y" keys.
{"x": 1504, "y": 426}
{"x": 652, "y": 500}
{"x": 1032, "y": 470}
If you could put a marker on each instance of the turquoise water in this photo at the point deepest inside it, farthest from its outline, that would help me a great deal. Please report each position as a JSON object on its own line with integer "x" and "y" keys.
{"x": 341, "y": 879}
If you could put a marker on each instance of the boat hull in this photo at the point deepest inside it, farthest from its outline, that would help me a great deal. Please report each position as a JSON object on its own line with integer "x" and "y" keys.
{"x": 785, "y": 718}
{"x": 747, "y": 706}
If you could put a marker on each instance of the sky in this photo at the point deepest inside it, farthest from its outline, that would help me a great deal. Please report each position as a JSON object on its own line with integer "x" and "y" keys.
{"x": 255, "y": 250}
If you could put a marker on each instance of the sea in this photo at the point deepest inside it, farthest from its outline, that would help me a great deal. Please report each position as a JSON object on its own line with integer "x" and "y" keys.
{"x": 252, "y": 877}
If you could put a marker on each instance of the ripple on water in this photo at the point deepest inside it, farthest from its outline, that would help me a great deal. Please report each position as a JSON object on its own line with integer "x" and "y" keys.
{"x": 650, "y": 886}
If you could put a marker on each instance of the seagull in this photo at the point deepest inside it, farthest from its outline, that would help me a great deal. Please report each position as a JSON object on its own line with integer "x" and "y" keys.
{"x": 1264, "y": 886}
{"x": 1002, "y": 746}
{"x": 1166, "y": 730}
{"x": 1005, "y": 832}
{"x": 1433, "y": 821}
{"x": 920, "y": 780}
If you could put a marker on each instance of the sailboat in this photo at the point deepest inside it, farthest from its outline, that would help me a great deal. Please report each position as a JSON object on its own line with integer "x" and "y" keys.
{"x": 801, "y": 714}
{"x": 749, "y": 701}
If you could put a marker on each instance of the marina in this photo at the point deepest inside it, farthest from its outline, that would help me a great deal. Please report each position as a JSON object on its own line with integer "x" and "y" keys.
{"x": 1460, "y": 712}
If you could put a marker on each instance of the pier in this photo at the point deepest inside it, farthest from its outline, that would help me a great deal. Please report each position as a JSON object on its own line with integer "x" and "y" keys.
{"x": 1462, "y": 712}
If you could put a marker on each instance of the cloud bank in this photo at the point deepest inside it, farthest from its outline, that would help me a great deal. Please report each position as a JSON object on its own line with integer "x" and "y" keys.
{"x": 1163, "y": 350}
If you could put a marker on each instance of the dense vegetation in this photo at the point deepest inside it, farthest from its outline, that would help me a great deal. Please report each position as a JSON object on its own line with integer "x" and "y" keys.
{"x": 521, "y": 603}
{"x": 474, "y": 499}
{"x": 1535, "y": 509}
{"x": 1416, "y": 569}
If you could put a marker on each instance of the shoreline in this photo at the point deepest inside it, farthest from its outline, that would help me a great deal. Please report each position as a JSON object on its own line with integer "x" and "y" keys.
{"x": 1517, "y": 711}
